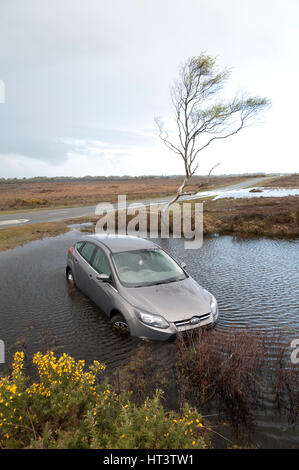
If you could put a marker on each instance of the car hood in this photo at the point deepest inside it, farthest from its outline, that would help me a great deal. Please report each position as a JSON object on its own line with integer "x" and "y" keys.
{"x": 175, "y": 301}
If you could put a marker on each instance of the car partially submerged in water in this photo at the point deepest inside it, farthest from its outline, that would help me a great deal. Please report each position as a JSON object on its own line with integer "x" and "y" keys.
{"x": 142, "y": 289}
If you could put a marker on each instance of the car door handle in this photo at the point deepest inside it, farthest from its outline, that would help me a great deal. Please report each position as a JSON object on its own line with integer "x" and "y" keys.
{"x": 90, "y": 276}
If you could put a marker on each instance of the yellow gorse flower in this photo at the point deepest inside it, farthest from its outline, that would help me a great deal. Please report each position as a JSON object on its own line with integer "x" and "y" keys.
{"x": 61, "y": 382}
{"x": 55, "y": 370}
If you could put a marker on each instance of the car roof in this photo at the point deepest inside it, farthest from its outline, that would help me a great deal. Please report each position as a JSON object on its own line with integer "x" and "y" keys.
{"x": 118, "y": 243}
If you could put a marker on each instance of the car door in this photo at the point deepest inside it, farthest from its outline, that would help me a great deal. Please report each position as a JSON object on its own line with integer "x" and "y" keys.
{"x": 101, "y": 292}
{"x": 83, "y": 270}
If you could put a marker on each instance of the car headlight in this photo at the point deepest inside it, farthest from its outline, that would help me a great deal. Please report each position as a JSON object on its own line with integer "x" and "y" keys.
{"x": 213, "y": 304}
{"x": 152, "y": 320}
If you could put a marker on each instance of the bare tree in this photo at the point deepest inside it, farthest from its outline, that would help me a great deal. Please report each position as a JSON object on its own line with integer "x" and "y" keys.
{"x": 200, "y": 117}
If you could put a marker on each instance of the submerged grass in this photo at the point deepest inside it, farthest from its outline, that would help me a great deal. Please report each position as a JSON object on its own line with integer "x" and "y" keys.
{"x": 15, "y": 236}
{"x": 231, "y": 374}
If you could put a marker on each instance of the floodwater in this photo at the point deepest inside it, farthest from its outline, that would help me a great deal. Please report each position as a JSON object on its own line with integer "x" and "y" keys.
{"x": 252, "y": 192}
{"x": 256, "y": 283}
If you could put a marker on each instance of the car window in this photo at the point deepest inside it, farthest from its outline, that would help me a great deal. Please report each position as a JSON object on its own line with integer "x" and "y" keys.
{"x": 87, "y": 251}
{"x": 100, "y": 262}
{"x": 79, "y": 246}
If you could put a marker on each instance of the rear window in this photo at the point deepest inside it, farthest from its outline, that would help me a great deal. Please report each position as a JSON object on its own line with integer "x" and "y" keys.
{"x": 87, "y": 251}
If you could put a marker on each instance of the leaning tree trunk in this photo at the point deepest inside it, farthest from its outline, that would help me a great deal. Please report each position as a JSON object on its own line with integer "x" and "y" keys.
{"x": 180, "y": 192}
{"x": 177, "y": 195}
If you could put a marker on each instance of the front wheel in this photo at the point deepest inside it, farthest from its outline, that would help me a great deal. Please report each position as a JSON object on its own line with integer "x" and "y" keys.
{"x": 70, "y": 278}
{"x": 119, "y": 323}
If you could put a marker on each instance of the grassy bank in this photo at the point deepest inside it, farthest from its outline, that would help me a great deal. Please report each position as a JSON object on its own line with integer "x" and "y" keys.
{"x": 267, "y": 217}
{"x": 66, "y": 408}
{"x": 270, "y": 217}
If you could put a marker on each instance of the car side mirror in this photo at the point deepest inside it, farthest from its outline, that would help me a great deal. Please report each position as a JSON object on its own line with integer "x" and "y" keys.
{"x": 103, "y": 277}
{"x": 183, "y": 265}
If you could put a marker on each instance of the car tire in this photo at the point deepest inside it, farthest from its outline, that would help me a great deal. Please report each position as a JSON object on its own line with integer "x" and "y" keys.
{"x": 70, "y": 278}
{"x": 120, "y": 324}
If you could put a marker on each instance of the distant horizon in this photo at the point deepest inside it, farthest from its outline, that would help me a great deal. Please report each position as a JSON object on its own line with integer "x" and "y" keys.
{"x": 102, "y": 177}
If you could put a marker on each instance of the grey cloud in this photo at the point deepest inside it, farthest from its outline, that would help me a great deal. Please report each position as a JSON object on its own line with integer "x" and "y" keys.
{"x": 38, "y": 32}
{"x": 45, "y": 149}
{"x": 100, "y": 70}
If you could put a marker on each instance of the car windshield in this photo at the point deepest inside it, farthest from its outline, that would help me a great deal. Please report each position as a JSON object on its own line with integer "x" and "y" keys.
{"x": 146, "y": 267}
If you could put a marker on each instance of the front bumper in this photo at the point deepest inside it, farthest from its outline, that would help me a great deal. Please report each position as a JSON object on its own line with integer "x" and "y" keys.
{"x": 139, "y": 329}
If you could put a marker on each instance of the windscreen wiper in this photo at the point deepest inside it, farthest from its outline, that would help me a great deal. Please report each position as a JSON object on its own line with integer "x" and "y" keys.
{"x": 165, "y": 282}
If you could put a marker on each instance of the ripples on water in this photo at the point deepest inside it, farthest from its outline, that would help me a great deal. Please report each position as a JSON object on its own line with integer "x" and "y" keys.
{"x": 256, "y": 283}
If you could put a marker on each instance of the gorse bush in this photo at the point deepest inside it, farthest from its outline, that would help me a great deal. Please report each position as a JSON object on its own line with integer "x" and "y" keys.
{"x": 67, "y": 408}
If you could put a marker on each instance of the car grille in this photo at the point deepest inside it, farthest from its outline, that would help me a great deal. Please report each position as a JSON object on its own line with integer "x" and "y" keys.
{"x": 182, "y": 323}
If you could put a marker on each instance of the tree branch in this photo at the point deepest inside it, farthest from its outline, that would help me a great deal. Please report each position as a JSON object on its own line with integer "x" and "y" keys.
{"x": 196, "y": 116}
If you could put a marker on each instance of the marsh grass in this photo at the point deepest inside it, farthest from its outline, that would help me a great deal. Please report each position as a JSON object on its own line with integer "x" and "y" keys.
{"x": 224, "y": 369}
{"x": 235, "y": 374}
{"x": 286, "y": 384}
{"x": 256, "y": 217}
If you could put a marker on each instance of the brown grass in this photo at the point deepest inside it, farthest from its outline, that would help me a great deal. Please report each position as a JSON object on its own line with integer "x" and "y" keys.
{"x": 223, "y": 367}
{"x": 22, "y": 195}
{"x": 271, "y": 217}
{"x": 283, "y": 182}
{"x": 286, "y": 383}
{"x": 253, "y": 217}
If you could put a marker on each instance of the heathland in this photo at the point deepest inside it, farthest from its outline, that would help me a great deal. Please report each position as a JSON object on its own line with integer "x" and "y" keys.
{"x": 38, "y": 194}
{"x": 258, "y": 216}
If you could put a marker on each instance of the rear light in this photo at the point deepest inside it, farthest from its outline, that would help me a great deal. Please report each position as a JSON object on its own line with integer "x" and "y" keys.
{"x": 70, "y": 250}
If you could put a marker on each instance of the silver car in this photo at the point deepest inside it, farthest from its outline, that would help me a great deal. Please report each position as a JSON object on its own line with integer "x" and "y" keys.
{"x": 139, "y": 286}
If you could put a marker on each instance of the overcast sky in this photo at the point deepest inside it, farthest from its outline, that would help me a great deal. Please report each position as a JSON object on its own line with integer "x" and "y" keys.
{"x": 84, "y": 80}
